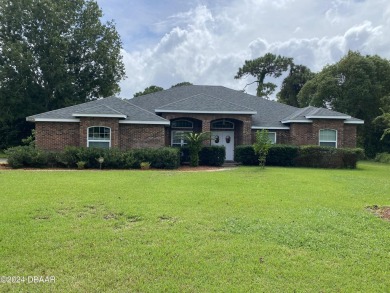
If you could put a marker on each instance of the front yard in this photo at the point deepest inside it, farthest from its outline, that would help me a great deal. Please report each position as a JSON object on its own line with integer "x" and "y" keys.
{"x": 241, "y": 230}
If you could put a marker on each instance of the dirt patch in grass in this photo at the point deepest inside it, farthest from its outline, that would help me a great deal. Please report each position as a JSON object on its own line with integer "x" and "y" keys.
{"x": 383, "y": 212}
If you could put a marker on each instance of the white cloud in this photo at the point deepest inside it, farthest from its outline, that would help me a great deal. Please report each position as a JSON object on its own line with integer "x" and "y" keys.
{"x": 207, "y": 46}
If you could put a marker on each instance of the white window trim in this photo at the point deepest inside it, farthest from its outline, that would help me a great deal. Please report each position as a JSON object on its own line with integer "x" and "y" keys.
{"x": 319, "y": 137}
{"x": 274, "y": 133}
{"x": 98, "y": 140}
{"x": 182, "y": 143}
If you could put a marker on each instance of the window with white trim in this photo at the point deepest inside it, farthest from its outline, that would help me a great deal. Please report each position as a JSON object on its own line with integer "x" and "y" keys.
{"x": 99, "y": 137}
{"x": 328, "y": 137}
{"x": 177, "y": 137}
{"x": 272, "y": 137}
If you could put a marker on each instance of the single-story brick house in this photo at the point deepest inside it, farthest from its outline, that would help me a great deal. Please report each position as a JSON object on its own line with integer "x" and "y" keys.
{"x": 158, "y": 119}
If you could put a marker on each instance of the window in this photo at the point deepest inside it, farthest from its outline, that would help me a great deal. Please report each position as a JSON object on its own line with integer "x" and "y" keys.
{"x": 99, "y": 137}
{"x": 182, "y": 124}
{"x": 328, "y": 137}
{"x": 272, "y": 137}
{"x": 177, "y": 138}
{"x": 222, "y": 124}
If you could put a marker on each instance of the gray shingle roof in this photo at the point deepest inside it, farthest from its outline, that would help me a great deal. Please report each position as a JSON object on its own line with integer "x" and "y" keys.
{"x": 196, "y": 99}
{"x": 133, "y": 113}
{"x": 202, "y": 103}
{"x": 101, "y": 110}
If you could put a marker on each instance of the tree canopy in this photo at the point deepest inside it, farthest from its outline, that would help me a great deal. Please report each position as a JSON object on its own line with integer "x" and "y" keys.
{"x": 356, "y": 85}
{"x": 268, "y": 65}
{"x": 184, "y": 83}
{"x": 293, "y": 83}
{"x": 53, "y": 54}
{"x": 149, "y": 90}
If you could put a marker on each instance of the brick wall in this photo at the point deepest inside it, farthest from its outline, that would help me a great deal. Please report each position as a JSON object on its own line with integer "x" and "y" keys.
{"x": 308, "y": 133}
{"x": 140, "y": 136}
{"x": 54, "y": 136}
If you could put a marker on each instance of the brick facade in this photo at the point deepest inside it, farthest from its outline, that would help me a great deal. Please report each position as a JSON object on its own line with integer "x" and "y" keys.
{"x": 53, "y": 136}
{"x": 141, "y": 136}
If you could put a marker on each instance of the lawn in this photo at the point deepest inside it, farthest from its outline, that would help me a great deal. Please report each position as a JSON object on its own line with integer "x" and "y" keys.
{"x": 242, "y": 230}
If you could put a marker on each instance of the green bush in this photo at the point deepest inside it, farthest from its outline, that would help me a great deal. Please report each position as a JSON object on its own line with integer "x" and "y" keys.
{"x": 382, "y": 158}
{"x": 328, "y": 157}
{"x": 184, "y": 155}
{"x": 282, "y": 155}
{"x": 165, "y": 158}
{"x": 212, "y": 156}
{"x": 161, "y": 158}
{"x": 27, "y": 156}
{"x": 245, "y": 154}
{"x": 304, "y": 156}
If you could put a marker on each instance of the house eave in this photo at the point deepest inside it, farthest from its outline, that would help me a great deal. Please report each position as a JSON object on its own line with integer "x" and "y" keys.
{"x": 145, "y": 122}
{"x": 296, "y": 121}
{"x": 100, "y": 115}
{"x": 354, "y": 122}
{"x": 271, "y": 128}
{"x": 29, "y": 119}
{"x": 328, "y": 117}
{"x": 207, "y": 112}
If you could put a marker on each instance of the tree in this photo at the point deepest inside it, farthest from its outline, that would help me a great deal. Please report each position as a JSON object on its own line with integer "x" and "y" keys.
{"x": 149, "y": 90}
{"x": 293, "y": 83}
{"x": 356, "y": 85}
{"x": 194, "y": 143}
{"x": 262, "y": 146}
{"x": 53, "y": 54}
{"x": 184, "y": 83}
{"x": 268, "y": 65}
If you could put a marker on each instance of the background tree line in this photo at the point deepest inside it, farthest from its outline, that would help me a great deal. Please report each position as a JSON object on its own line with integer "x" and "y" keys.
{"x": 53, "y": 54}
{"x": 356, "y": 85}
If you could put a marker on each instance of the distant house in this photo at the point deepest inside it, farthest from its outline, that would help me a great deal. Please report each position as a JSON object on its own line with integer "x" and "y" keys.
{"x": 159, "y": 119}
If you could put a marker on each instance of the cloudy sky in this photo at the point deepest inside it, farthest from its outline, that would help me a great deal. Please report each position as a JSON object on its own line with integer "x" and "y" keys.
{"x": 206, "y": 41}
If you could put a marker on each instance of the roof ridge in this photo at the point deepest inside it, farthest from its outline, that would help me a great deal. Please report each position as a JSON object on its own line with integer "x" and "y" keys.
{"x": 108, "y": 107}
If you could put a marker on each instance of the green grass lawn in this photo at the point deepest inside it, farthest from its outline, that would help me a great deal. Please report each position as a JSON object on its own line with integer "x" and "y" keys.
{"x": 243, "y": 230}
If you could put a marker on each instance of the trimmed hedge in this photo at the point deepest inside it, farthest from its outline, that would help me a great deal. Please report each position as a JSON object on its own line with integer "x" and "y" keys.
{"x": 208, "y": 156}
{"x": 72, "y": 157}
{"x": 304, "y": 156}
{"x": 212, "y": 156}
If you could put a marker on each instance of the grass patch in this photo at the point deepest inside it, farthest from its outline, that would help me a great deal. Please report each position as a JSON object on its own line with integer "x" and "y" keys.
{"x": 3, "y": 155}
{"x": 245, "y": 230}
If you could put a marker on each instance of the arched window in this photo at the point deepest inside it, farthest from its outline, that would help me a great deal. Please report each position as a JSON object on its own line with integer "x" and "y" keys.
{"x": 328, "y": 137}
{"x": 222, "y": 124}
{"x": 99, "y": 137}
{"x": 182, "y": 123}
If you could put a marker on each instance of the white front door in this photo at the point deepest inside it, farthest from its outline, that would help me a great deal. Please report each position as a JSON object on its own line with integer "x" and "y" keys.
{"x": 226, "y": 139}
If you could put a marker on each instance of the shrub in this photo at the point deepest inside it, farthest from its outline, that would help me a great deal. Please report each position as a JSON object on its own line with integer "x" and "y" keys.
{"x": 26, "y": 156}
{"x": 382, "y": 158}
{"x": 327, "y": 157}
{"x": 282, "y": 155}
{"x": 212, "y": 156}
{"x": 245, "y": 154}
{"x": 161, "y": 158}
{"x": 165, "y": 158}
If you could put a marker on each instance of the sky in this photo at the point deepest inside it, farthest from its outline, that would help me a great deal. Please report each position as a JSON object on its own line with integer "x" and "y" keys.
{"x": 205, "y": 41}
